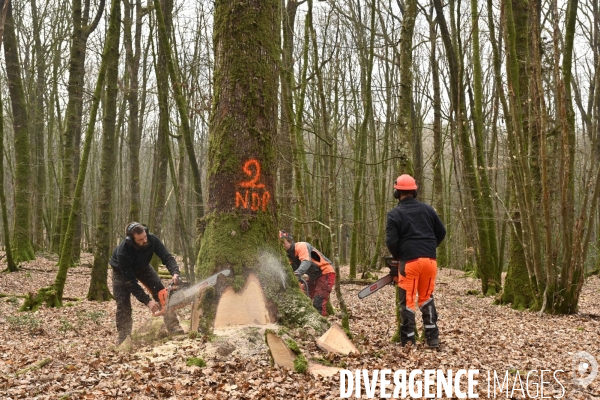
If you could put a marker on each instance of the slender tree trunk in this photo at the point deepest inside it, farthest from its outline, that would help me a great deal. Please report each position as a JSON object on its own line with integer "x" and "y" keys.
{"x": 39, "y": 189}
{"x": 405, "y": 122}
{"x": 164, "y": 22}
{"x": 160, "y": 169}
{"x": 298, "y": 153}
{"x": 491, "y": 273}
{"x": 10, "y": 262}
{"x": 518, "y": 290}
{"x": 98, "y": 289}
{"x": 358, "y": 211}
{"x": 52, "y": 295}
{"x": 329, "y": 171}
{"x": 286, "y": 130}
{"x": 487, "y": 254}
{"x": 21, "y": 243}
{"x": 132, "y": 62}
{"x": 72, "y": 132}
{"x": 438, "y": 142}
{"x": 183, "y": 239}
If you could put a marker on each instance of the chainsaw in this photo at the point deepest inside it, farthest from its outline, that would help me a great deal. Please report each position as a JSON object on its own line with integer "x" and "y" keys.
{"x": 174, "y": 297}
{"x": 394, "y": 265}
{"x": 304, "y": 286}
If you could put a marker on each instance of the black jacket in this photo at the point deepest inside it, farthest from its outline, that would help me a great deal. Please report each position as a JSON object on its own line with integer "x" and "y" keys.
{"x": 127, "y": 259}
{"x": 413, "y": 230}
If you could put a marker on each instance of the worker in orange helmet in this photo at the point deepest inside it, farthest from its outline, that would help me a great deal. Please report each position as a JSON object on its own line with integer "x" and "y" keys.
{"x": 413, "y": 232}
{"x": 305, "y": 259}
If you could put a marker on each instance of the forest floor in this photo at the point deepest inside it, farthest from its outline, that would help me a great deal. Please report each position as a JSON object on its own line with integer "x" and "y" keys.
{"x": 75, "y": 346}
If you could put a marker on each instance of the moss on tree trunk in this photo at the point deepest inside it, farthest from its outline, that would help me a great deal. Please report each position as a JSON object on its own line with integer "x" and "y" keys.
{"x": 11, "y": 266}
{"x": 21, "y": 244}
{"x": 517, "y": 287}
{"x": 233, "y": 241}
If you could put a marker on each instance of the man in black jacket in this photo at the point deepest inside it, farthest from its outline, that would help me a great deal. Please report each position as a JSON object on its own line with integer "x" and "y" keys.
{"x": 413, "y": 232}
{"x": 131, "y": 264}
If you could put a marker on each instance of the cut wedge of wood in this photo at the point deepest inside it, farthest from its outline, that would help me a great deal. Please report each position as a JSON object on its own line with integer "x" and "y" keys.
{"x": 282, "y": 355}
{"x": 336, "y": 341}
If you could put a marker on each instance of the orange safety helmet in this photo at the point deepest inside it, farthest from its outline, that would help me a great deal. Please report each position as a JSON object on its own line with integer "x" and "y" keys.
{"x": 405, "y": 182}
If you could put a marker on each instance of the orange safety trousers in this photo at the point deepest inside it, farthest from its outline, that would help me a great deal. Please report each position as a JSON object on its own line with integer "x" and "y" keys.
{"x": 418, "y": 278}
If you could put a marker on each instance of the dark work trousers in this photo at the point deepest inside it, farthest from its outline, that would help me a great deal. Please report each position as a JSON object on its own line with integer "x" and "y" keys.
{"x": 150, "y": 279}
{"x": 320, "y": 290}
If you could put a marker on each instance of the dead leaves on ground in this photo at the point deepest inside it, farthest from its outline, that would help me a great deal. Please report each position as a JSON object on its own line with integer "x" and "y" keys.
{"x": 79, "y": 341}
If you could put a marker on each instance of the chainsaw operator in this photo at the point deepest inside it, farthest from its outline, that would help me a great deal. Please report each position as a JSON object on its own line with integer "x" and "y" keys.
{"x": 305, "y": 259}
{"x": 413, "y": 232}
{"x": 130, "y": 262}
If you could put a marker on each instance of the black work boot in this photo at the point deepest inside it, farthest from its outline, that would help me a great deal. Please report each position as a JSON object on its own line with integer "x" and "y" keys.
{"x": 172, "y": 324}
{"x": 430, "y": 318}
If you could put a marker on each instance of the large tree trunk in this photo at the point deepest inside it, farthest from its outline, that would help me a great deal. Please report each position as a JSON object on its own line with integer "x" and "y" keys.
{"x": 22, "y": 246}
{"x": 98, "y": 289}
{"x": 241, "y": 221}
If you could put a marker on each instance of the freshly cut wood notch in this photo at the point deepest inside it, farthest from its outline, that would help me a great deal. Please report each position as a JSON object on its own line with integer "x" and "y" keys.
{"x": 282, "y": 355}
{"x": 245, "y": 308}
{"x": 336, "y": 341}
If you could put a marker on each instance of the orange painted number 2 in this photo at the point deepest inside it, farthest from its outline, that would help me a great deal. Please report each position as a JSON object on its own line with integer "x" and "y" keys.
{"x": 248, "y": 170}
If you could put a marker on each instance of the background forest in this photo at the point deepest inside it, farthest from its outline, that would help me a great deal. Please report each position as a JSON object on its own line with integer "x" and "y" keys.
{"x": 493, "y": 106}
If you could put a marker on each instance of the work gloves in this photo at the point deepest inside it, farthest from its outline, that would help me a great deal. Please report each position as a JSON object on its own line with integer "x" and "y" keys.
{"x": 176, "y": 280}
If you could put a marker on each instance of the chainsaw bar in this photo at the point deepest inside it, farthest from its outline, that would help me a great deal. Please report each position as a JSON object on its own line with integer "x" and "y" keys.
{"x": 187, "y": 296}
{"x": 372, "y": 288}
{"x": 179, "y": 298}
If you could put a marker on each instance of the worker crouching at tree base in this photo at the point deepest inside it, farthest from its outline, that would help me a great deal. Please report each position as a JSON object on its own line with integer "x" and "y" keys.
{"x": 131, "y": 264}
{"x": 305, "y": 259}
{"x": 413, "y": 232}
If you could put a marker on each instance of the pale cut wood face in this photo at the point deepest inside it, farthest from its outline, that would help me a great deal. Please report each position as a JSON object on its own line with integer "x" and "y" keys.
{"x": 247, "y": 307}
{"x": 336, "y": 341}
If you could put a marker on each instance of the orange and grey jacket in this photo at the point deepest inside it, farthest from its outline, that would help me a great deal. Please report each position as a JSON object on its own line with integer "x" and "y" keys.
{"x": 305, "y": 259}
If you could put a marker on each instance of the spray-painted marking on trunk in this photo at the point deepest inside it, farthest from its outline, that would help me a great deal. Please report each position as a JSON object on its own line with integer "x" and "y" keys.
{"x": 247, "y": 168}
{"x": 251, "y": 198}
